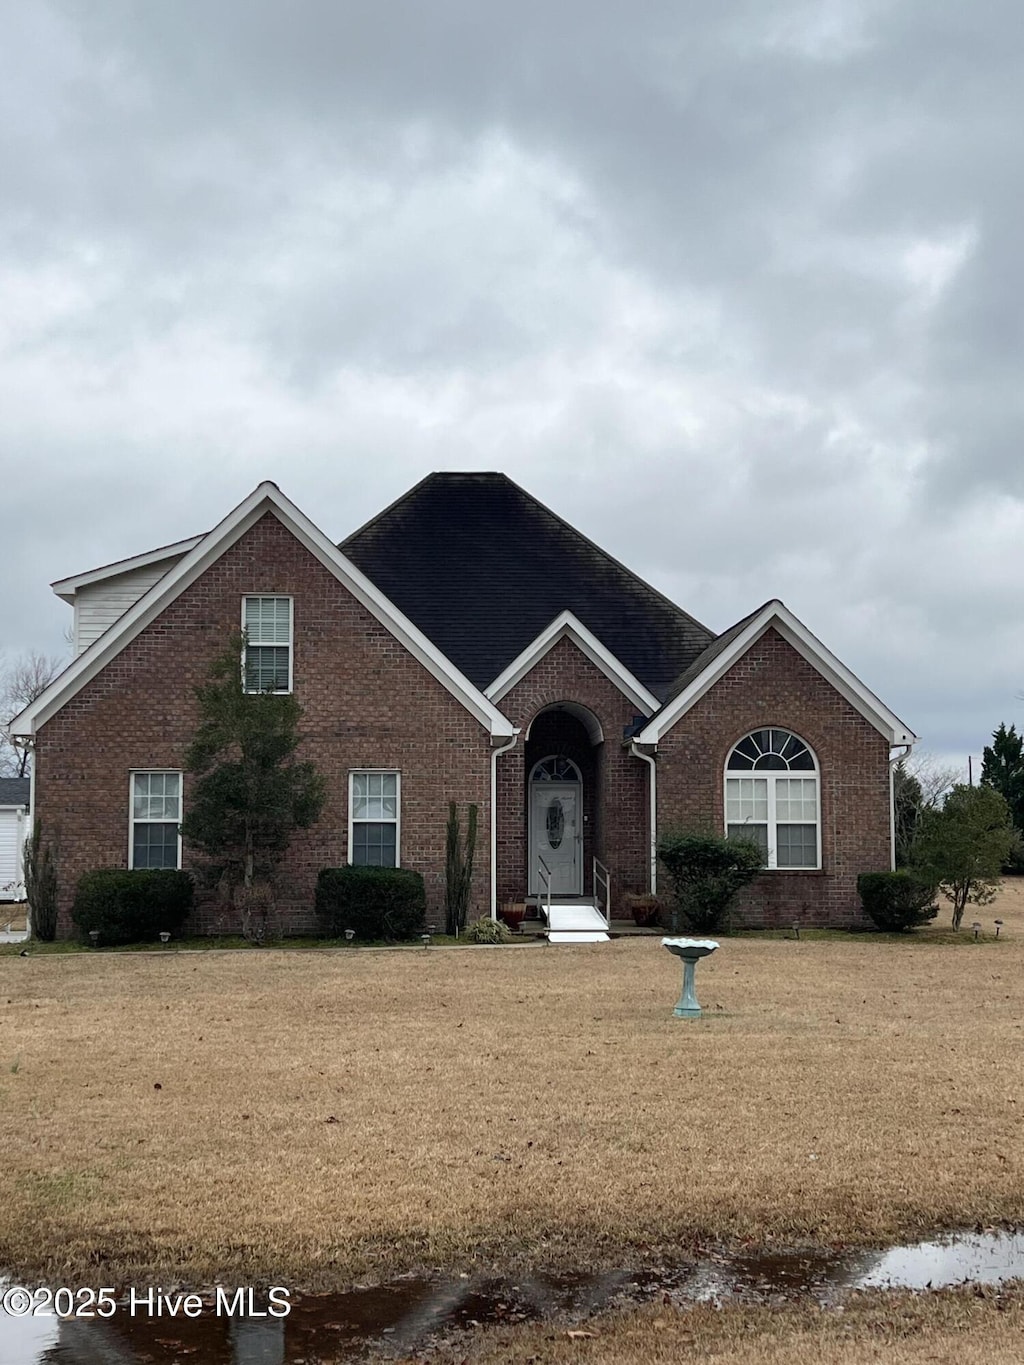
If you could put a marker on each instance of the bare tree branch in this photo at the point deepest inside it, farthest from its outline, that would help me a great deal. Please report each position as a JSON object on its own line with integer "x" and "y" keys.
{"x": 20, "y": 683}
{"x": 933, "y": 777}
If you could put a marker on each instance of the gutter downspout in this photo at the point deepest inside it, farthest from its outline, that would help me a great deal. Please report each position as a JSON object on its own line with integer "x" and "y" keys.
{"x": 893, "y": 760}
{"x": 495, "y": 754}
{"x": 28, "y": 833}
{"x": 653, "y": 787}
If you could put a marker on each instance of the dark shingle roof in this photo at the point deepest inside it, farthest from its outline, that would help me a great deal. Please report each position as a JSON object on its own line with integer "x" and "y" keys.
{"x": 14, "y": 791}
{"x": 698, "y": 665}
{"x": 481, "y": 567}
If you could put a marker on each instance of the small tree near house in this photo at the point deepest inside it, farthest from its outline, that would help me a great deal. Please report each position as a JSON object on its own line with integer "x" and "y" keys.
{"x": 251, "y": 792}
{"x": 964, "y": 844}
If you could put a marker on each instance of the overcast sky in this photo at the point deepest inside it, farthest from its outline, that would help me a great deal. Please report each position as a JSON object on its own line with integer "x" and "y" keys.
{"x": 734, "y": 288}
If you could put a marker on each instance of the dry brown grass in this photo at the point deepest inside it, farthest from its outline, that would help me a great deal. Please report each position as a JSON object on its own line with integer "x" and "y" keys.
{"x": 321, "y": 1115}
{"x": 955, "y": 1328}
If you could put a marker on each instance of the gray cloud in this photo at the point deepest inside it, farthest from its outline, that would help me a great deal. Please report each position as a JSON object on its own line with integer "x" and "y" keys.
{"x": 733, "y": 288}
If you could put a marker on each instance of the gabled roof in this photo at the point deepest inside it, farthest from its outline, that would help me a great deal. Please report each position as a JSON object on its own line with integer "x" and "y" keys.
{"x": 483, "y": 568}
{"x": 67, "y": 587}
{"x": 566, "y": 627}
{"x": 733, "y": 643}
{"x": 267, "y": 497}
{"x": 15, "y": 791}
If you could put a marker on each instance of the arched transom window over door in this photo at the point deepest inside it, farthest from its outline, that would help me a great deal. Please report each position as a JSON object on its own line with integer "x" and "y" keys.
{"x": 772, "y": 796}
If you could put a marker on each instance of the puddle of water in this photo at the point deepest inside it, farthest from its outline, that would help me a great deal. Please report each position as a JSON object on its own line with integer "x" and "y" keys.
{"x": 408, "y": 1313}
{"x": 978, "y": 1258}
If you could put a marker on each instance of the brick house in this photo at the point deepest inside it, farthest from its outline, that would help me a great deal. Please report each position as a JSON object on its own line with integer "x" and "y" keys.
{"x": 466, "y": 645}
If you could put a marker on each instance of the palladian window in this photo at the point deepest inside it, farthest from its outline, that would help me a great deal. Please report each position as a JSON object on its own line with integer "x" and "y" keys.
{"x": 772, "y": 797}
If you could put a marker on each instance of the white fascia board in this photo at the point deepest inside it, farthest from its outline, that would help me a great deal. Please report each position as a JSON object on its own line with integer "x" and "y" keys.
{"x": 267, "y": 497}
{"x": 566, "y": 625}
{"x": 66, "y": 588}
{"x": 795, "y": 633}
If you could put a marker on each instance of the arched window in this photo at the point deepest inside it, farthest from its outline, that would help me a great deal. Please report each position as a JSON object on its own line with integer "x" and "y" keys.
{"x": 772, "y": 797}
{"x": 557, "y": 768}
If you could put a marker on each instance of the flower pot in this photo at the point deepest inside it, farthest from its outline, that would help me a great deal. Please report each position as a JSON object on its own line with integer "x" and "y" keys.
{"x": 643, "y": 908}
{"x": 512, "y": 913}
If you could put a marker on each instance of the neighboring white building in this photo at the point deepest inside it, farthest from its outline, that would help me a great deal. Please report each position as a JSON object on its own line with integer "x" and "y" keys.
{"x": 14, "y": 804}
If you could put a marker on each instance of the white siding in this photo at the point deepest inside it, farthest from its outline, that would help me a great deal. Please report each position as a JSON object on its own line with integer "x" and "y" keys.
{"x": 12, "y": 833}
{"x": 99, "y": 605}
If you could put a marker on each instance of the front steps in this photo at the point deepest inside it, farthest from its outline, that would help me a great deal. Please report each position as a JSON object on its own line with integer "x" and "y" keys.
{"x": 575, "y": 919}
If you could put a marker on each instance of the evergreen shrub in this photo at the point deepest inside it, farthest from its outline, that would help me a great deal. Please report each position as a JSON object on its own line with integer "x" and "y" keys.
{"x": 132, "y": 906}
{"x": 897, "y": 901}
{"x": 377, "y": 902}
{"x": 706, "y": 872}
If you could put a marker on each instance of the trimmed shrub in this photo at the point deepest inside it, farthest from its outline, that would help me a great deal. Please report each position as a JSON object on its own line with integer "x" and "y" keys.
{"x": 897, "y": 901}
{"x": 132, "y": 907}
{"x": 487, "y": 930}
{"x": 377, "y": 902}
{"x": 706, "y": 872}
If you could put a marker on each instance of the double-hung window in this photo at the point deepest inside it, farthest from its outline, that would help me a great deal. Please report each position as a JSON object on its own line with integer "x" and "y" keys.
{"x": 267, "y": 665}
{"x": 374, "y": 815}
{"x": 154, "y": 839}
{"x": 772, "y": 797}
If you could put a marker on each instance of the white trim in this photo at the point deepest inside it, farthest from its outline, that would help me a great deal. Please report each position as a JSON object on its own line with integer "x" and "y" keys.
{"x": 388, "y": 772}
{"x": 567, "y": 626}
{"x": 277, "y": 596}
{"x": 65, "y": 588}
{"x": 586, "y": 717}
{"x": 133, "y": 773}
{"x": 267, "y": 497}
{"x": 795, "y": 633}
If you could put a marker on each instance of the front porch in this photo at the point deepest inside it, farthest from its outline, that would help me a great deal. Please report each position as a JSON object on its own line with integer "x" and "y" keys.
{"x": 573, "y": 803}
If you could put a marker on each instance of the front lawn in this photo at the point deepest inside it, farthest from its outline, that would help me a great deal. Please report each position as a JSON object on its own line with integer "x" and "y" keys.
{"x": 310, "y": 1117}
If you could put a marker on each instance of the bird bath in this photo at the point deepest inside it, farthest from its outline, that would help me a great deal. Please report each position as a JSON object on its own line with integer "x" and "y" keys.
{"x": 691, "y": 950}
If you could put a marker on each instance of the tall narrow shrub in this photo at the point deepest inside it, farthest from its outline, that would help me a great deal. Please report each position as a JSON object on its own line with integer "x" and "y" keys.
{"x": 41, "y": 884}
{"x": 458, "y": 869}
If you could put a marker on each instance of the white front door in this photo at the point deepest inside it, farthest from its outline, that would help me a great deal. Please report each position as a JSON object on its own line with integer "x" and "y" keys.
{"x": 556, "y": 835}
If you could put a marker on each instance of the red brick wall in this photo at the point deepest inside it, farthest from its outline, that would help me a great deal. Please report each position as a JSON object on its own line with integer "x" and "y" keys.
{"x": 620, "y": 838}
{"x": 772, "y": 685}
{"x": 367, "y": 703}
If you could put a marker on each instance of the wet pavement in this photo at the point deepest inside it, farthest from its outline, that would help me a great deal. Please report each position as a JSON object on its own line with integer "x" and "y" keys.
{"x": 411, "y": 1313}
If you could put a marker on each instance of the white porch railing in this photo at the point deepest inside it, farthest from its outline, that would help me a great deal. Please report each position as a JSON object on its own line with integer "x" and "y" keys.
{"x": 545, "y": 878}
{"x": 602, "y": 878}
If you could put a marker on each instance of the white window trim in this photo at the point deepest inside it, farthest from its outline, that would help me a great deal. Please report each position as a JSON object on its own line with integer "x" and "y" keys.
{"x": 772, "y": 773}
{"x": 278, "y": 692}
{"x": 352, "y": 822}
{"x": 132, "y": 774}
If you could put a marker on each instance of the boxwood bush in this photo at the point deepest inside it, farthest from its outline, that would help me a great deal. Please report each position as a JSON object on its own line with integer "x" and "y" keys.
{"x": 897, "y": 901}
{"x": 377, "y": 902}
{"x": 132, "y": 906}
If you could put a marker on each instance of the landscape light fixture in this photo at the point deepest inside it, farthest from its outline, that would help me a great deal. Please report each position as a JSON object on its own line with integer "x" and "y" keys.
{"x": 796, "y": 930}
{"x": 94, "y": 934}
{"x": 976, "y": 926}
{"x": 164, "y": 936}
{"x": 426, "y": 940}
{"x": 999, "y": 925}
{"x": 350, "y": 935}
